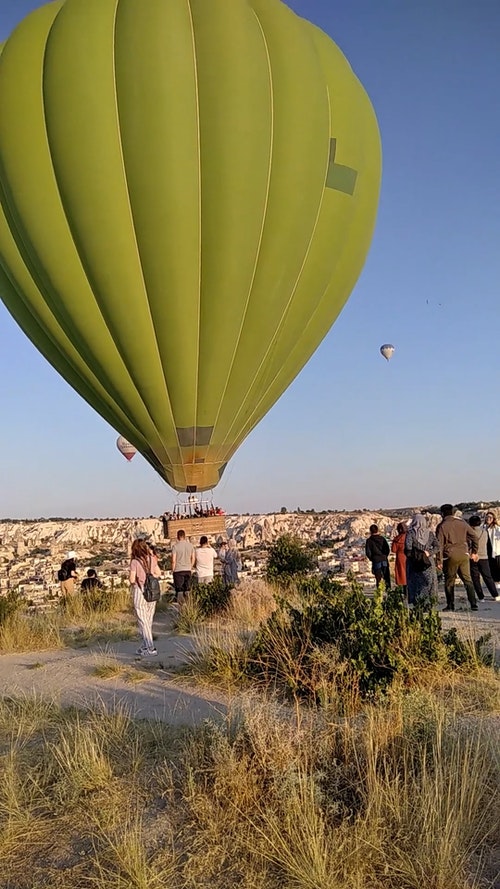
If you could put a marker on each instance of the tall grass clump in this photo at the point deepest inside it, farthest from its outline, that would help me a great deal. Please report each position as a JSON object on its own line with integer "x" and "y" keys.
{"x": 403, "y": 798}
{"x": 21, "y": 631}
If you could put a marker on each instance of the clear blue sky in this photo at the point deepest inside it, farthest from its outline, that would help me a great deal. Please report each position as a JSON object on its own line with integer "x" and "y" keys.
{"x": 352, "y": 431}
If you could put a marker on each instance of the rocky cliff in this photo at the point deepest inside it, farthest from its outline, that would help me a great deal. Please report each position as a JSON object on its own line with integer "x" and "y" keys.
{"x": 247, "y": 530}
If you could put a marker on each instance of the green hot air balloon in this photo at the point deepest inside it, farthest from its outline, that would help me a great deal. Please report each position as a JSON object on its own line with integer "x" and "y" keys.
{"x": 188, "y": 190}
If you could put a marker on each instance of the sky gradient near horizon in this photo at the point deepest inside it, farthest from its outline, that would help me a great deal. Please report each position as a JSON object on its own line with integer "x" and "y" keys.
{"x": 352, "y": 430}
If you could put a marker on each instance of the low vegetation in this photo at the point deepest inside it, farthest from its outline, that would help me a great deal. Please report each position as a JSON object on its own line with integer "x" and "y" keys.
{"x": 101, "y": 616}
{"x": 361, "y": 751}
{"x": 403, "y": 797}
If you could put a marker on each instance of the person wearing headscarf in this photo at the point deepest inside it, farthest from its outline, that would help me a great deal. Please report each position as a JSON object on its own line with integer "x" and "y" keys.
{"x": 231, "y": 563}
{"x": 398, "y": 547}
{"x": 421, "y": 549}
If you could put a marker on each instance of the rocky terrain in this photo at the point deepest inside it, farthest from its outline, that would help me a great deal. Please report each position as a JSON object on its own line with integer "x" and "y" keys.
{"x": 20, "y": 538}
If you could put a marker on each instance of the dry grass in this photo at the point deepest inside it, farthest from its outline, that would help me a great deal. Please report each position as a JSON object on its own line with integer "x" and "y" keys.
{"x": 402, "y": 797}
{"x": 73, "y": 624}
{"x": 26, "y": 632}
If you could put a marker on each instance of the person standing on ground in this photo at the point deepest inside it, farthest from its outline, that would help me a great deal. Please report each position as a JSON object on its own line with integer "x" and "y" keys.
{"x": 398, "y": 547}
{"x": 204, "y": 561}
{"x": 182, "y": 566}
{"x": 456, "y": 540}
{"x": 140, "y": 565}
{"x": 231, "y": 563}
{"x": 68, "y": 574}
{"x": 421, "y": 548}
{"x": 493, "y": 545}
{"x": 479, "y": 562}
{"x": 377, "y": 551}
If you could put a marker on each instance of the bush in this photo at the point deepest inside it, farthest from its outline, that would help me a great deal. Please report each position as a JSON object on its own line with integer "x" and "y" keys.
{"x": 9, "y": 605}
{"x": 288, "y": 558}
{"x": 333, "y": 628}
{"x": 211, "y": 598}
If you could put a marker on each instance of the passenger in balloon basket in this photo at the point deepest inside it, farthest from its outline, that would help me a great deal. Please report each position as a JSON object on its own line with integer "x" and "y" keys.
{"x": 67, "y": 574}
{"x": 377, "y": 551}
{"x": 183, "y": 556}
{"x": 205, "y": 556}
{"x": 142, "y": 563}
{"x": 457, "y": 542}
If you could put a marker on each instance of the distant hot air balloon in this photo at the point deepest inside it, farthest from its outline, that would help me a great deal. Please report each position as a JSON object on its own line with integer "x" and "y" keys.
{"x": 126, "y": 448}
{"x": 188, "y": 192}
{"x": 387, "y": 351}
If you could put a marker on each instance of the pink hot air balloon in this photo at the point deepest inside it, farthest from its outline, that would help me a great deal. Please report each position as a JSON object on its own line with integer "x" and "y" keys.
{"x": 125, "y": 448}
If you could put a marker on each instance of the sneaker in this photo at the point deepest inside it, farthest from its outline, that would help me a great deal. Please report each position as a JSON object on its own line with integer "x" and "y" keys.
{"x": 448, "y": 608}
{"x": 474, "y": 608}
{"x": 149, "y": 652}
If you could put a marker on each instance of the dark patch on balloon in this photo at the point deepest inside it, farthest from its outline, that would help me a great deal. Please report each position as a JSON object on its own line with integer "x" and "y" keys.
{"x": 190, "y": 436}
{"x": 340, "y": 177}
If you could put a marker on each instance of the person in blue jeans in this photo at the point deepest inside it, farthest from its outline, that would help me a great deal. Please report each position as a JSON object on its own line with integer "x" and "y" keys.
{"x": 377, "y": 551}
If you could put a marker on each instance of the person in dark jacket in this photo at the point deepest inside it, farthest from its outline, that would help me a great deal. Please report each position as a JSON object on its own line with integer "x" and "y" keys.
{"x": 377, "y": 551}
{"x": 456, "y": 540}
{"x": 91, "y": 582}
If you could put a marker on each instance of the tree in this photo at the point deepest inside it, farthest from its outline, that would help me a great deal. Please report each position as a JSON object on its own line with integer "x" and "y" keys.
{"x": 289, "y": 557}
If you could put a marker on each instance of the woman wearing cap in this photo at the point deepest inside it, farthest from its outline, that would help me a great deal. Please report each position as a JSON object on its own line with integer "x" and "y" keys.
{"x": 141, "y": 564}
{"x": 67, "y": 574}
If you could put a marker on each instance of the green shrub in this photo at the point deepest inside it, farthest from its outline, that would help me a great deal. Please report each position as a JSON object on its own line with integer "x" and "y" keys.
{"x": 9, "y": 605}
{"x": 288, "y": 558}
{"x": 374, "y": 640}
{"x": 211, "y": 598}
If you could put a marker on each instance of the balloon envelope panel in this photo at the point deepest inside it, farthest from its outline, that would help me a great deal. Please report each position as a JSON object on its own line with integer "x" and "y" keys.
{"x": 187, "y": 196}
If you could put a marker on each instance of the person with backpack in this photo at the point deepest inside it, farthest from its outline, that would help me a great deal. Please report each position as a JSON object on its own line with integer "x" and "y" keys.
{"x": 142, "y": 565}
{"x": 67, "y": 574}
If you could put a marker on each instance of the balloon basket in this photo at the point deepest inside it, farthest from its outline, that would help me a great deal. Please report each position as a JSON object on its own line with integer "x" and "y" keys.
{"x": 210, "y": 526}
{"x": 195, "y": 516}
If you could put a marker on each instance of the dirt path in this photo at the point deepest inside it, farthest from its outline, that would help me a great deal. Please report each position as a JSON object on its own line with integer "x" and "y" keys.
{"x": 68, "y": 676}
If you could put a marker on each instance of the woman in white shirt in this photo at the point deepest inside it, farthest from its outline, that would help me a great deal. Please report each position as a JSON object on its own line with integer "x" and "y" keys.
{"x": 204, "y": 561}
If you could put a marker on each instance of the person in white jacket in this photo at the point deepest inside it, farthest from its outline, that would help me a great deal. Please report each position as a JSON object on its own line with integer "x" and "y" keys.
{"x": 493, "y": 545}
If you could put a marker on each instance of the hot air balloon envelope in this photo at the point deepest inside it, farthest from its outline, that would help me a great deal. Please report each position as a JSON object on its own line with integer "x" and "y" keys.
{"x": 188, "y": 192}
{"x": 387, "y": 351}
{"x": 126, "y": 448}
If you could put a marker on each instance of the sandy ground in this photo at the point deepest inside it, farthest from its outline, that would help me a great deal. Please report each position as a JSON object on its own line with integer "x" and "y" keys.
{"x": 68, "y": 677}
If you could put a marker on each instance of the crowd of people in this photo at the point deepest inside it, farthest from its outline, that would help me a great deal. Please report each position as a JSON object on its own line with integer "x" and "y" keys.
{"x": 188, "y": 562}
{"x": 469, "y": 550}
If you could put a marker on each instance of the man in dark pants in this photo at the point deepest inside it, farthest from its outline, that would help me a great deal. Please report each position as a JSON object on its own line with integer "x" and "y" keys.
{"x": 479, "y": 563}
{"x": 456, "y": 540}
{"x": 377, "y": 551}
{"x": 182, "y": 566}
